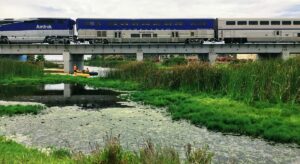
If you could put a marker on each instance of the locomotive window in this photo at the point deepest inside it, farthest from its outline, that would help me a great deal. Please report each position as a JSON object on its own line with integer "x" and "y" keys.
{"x": 45, "y": 21}
{"x": 135, "y": 35}
{"x": 298, "y": 34}
{"x": 253, "y": 22}
{"x": 230, "y": 22}
{"x": 264, "y": 22}
{"x": 296, "y": 22}
{"x": 242, "y": 23}
{"x": 275, "y": 22}
{"x": 146, "y": 35}
{"x": 192, "y": 34}
{"x": 286, "y": 22}
{"x": 28, "y": 21}
{"x": 154, "y": 35}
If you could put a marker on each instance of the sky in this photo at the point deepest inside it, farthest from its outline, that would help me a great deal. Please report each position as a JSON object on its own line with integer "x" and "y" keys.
{"x": 149, "y": 8}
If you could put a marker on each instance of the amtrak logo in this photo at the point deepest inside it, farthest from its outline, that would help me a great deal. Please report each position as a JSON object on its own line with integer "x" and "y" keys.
{"x": 43, "y": 27}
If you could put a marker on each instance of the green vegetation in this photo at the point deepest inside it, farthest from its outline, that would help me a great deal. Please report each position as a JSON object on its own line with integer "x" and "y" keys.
{"x": 112, "y": 153}
{"x": 11, "y": 68}
{"x": 259, "y": 99}
{"x": 174, "y": 61}
{"x": 280, "y": 123}
{"x": 48, "y": 64}
{"x": 11, "y": 152}
{"x": 273, "y": 81}
{"x": 54, "y": 79}
{"x": 20, "y": 109}
{"x": 111, "y": 61}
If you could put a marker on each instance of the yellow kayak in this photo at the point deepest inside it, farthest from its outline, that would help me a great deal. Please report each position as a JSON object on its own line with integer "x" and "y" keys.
{"x": 82, "y": 74}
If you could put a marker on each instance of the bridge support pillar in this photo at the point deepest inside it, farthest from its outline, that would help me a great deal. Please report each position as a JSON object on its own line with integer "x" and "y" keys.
{"x": 70, "y": 60}
{"x": 67, "y": 90}
{"x": 212, "y": 56}
{"x": 139, "y": 56}
{"x": 285, "y": 55}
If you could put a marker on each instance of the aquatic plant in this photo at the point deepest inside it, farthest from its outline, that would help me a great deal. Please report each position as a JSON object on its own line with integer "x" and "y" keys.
{"x": 12, "y": 68}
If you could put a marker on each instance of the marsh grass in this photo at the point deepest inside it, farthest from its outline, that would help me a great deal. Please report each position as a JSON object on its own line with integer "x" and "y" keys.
{"x": 111, "y": 153}
{"x": 279, "y": 123}
{"x": 272, "y": 81}
{"x": 11, "y": 68}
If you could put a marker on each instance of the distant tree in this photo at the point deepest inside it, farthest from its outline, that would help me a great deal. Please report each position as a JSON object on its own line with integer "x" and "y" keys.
{"x": 40, "y": 58}
{"x": 31, "y": 58}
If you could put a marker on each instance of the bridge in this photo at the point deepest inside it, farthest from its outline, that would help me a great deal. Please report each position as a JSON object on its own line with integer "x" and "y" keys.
{"x": 73, "y": 54}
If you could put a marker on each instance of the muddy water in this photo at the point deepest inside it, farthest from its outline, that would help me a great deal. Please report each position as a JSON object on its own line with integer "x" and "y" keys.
{"x": 61, "y": 95}
{"x": 81, "y": 130}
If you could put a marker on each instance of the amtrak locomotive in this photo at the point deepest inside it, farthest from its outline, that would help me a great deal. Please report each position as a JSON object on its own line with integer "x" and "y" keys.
{"x": 189, "y": 31}
{"x": 39, "y": 30}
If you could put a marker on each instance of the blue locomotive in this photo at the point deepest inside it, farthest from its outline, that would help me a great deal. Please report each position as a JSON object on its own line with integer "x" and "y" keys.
{"x": 37, "y": 30}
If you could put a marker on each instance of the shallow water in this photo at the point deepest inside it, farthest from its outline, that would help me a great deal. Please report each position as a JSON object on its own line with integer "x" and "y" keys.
{"x": 61, "y": 95}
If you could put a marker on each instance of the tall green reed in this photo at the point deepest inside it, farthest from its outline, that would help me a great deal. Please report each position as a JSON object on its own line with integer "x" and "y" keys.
{"x": 11, "y": 68}
{"x": 273, "y": 81}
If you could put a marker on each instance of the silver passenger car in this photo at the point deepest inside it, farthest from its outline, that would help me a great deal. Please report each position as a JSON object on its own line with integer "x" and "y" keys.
{"x": 272, "y": 30}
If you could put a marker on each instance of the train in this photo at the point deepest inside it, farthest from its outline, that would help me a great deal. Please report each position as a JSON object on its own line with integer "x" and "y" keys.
{"x": 187, "y": 31}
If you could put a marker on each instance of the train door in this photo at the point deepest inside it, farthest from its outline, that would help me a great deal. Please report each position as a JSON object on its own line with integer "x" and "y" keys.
{"x": 174, "y": 36}
{"x": 118, "y": 36}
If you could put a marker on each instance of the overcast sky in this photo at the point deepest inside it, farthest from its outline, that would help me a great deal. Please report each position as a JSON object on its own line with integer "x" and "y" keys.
{"x": 149, "y": 8}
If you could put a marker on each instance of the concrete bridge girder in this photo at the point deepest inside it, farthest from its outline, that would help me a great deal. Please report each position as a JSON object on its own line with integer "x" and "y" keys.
{"x": 73, "y": 54}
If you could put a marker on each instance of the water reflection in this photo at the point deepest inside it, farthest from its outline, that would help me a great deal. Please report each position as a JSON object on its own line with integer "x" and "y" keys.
{"x": 61, "y": 95}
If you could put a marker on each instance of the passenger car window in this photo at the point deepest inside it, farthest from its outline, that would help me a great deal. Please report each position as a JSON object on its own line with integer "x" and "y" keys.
{"x": 275, "y": 22}
{"x": 253, "y": 22}
{"x": 264, "y": 23}
{"x": 286, "y": 22}
{"x": 242, "y": 22}
{"x": 230, "y": 22}
{"x": 296, "y": 22}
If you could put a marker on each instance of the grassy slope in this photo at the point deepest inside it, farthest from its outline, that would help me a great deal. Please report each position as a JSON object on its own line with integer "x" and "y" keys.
{"x": 20, "y": 109}
{"x": 12, "y": 152}
{"x": 280, "y": 123}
